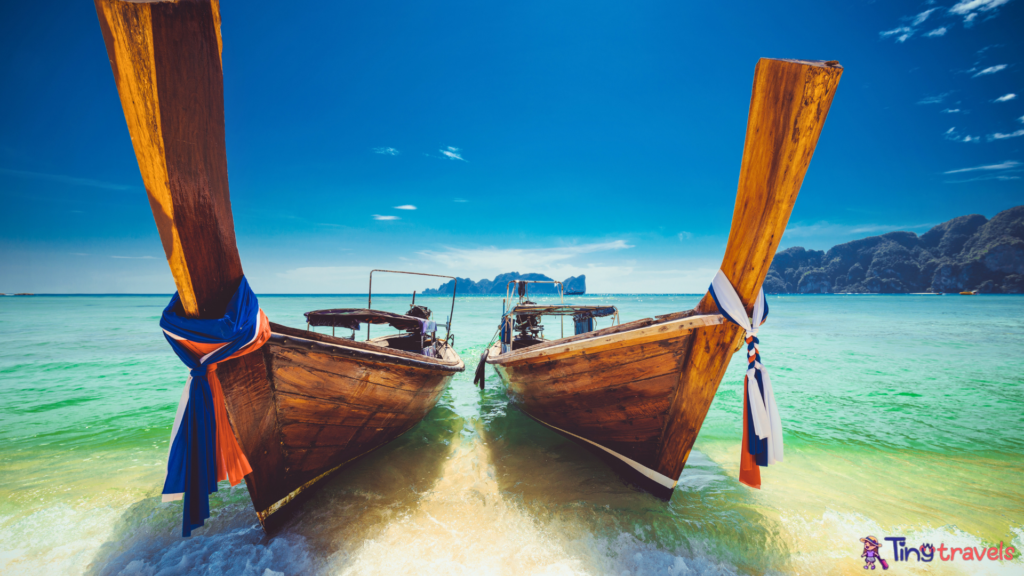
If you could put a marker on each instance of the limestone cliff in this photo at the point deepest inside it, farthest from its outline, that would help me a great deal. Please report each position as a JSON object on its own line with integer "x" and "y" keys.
{"x": 965, "y": 253}
{"x": 574, "y": 284}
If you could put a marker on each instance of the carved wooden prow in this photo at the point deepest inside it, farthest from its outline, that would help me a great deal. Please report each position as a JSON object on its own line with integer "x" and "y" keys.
{"x": 166, "y": 59}
{"x": 788, "y": 106}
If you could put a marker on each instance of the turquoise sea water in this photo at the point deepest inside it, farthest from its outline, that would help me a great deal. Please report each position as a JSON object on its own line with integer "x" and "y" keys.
{"x": 903, "y": 415}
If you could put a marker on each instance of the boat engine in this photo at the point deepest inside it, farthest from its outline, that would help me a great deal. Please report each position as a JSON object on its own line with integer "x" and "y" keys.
{"x": 528, "y": 328}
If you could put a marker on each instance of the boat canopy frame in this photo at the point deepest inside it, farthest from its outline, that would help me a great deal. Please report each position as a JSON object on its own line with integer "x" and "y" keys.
{"x": 527, "y": 308}
{"x": 351, "y": 318}
{"x": 455, "y": 285}
{"x": 564, "y": 310}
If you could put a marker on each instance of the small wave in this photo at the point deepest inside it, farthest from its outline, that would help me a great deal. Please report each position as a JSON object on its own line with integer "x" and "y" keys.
{"x": 244, "y": 551}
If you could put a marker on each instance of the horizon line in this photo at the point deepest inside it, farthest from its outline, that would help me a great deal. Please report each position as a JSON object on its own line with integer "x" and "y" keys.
{"x": 363, "y": 295}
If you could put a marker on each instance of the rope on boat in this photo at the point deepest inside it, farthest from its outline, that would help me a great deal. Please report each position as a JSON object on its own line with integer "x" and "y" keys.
{"x": 481, "y": 368}
{"x": 764, "y": 446}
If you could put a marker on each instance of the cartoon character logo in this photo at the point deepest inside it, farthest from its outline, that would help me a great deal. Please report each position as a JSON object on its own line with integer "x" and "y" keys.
{"x": 870, "y": 553}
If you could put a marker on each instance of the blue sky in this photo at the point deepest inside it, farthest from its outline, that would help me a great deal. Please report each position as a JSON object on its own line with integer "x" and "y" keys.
{"x": 557, "y": 137}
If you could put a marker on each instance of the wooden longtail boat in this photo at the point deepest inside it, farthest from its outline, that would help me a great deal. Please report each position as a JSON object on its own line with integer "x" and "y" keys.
{"x": 637, "y": 393}
{"x": 305, "y": 404}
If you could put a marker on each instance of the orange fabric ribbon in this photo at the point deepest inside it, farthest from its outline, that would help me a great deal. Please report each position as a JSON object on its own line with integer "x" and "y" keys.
{"x": 232, "y": 465}
{"x": 750, "y": 472}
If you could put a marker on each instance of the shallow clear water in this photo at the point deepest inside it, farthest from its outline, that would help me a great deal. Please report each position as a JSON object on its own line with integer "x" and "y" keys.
{"x": 903, "y": 415}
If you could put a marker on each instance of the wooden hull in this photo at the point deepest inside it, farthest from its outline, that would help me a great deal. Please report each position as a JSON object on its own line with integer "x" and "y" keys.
{"x": 611, "y": 390}
{"x": 307, "y": 404}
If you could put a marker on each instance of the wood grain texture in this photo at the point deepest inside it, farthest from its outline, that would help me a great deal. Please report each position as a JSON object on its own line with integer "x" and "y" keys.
{"x": 616, "y": 396}
{"x": 331, "y": 409}
{"x": 298, "y": 413}
{"x": 595, "y": 369}
{"x": 788, "y": 107}
{"x": 252, "y": 410}
{"x": 331, "y": 378}
{"x": 165, "y": 57}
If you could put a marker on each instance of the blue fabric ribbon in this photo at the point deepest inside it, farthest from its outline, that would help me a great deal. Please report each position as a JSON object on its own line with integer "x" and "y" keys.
{"x": 756, "y": 446}
{"x": 192, "y": 463}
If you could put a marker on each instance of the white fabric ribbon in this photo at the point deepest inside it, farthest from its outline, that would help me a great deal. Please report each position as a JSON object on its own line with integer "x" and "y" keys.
{"x": 764, "y": 412}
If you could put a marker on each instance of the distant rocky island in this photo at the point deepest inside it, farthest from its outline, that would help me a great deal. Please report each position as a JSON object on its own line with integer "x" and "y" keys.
{"x": 965, "y": 253}
{"x": 571, "y": 285}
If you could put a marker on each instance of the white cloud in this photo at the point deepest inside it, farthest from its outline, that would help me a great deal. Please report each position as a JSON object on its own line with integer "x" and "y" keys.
{"x": 970, "y": 9}
{"x": 1021, "y": 119}
{"x": 955, "y": 136}
{"x": 1007, "y": 165}
{"x": 934, "y": 99}
{"x": 72, "y": 180}
{"x": 969, "y": 6}
{"x": 661, "y": 280}
{"x": 920, "y": 18}
{"x": 1000, "y": 177}
{"x": 990, "y": 70}
{"x": 1005, "y": 98}
{"x": 936, "y": 33}
{"x": 999, "y": 136}
{"x": 951, "y": 110}
{"x": 380, "y": 217}
{"x": 685, "y": 236}
{"x": 901, "y": 33}
{"x": 387, "y": 151}
{"x": 824, "y": 228}
{"x": 460, "y": 200}
{"x": 561, "y": 262}
{"x": 405, "y": 207}
{"x": 520, "y": 259}
{"x": 319, "y": 279}
{"x": 453, "y": 153}
{"x": 134, "y": 257}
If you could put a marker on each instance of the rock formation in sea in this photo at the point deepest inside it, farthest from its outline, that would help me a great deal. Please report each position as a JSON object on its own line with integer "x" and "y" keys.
{"x": 574, "y": 284}
{"x": 965, "y": 253}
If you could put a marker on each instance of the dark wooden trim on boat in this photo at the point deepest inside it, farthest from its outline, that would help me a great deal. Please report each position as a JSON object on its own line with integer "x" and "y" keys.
{"x": 355, "y": 349}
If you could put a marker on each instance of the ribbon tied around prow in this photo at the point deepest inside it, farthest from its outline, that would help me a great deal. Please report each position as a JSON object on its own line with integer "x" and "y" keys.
{"x": 762, "y": 426}
{"x": 203, "y": 447}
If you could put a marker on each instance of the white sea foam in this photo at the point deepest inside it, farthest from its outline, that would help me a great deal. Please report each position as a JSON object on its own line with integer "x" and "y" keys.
{"x": 244, "y": 551}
